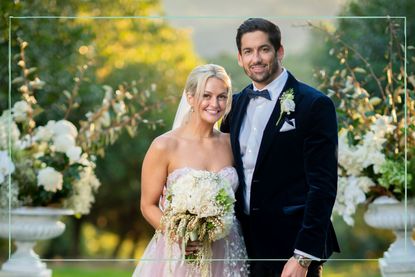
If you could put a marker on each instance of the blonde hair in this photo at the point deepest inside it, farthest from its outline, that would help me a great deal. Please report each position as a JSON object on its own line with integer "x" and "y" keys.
{"x": 196, "y": 82}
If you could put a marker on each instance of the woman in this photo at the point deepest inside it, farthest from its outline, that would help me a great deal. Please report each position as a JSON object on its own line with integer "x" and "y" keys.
{"x": 193, "y": 146}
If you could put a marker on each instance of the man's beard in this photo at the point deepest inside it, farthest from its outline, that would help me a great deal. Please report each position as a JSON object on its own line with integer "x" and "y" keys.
{"x": 266, "y": 77}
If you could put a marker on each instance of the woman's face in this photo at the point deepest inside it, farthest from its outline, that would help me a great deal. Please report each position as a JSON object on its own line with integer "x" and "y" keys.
{"x": 212, "y": 104}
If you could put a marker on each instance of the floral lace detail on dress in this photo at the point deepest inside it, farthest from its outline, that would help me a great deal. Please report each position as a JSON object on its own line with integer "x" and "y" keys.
{"x": 227, "y": 172}
{"x": 235, "y": 251}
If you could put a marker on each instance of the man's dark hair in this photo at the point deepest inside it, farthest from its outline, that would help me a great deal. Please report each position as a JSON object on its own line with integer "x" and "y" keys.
{"x": 259, "y": 24}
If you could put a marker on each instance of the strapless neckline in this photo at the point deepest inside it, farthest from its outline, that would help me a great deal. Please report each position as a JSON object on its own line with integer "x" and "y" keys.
{"x": 227, "y": 171}
{"x": 202, "y": 170}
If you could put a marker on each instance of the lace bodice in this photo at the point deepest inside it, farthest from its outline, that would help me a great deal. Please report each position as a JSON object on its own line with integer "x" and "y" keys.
{"x": 227, "y": 172}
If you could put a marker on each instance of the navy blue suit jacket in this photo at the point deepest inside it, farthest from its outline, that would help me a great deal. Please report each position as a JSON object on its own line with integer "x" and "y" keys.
{"x": 294, "y": 183}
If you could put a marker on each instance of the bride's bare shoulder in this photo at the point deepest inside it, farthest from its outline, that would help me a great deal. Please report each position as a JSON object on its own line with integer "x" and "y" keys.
{"x": 165, "y": 142}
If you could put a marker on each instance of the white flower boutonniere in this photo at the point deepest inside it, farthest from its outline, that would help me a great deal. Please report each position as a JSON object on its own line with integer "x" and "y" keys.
{"x": 287, "y": 104}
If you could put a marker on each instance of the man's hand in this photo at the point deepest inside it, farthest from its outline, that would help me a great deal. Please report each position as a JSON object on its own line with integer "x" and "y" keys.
{"x": 293, "y": 269}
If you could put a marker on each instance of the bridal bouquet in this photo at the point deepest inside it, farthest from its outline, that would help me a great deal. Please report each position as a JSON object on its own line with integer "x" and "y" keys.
{"x": 199, "y": 206}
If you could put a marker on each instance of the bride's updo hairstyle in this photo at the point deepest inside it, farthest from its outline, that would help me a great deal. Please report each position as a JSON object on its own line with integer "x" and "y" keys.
{"x": 196, "y": 82}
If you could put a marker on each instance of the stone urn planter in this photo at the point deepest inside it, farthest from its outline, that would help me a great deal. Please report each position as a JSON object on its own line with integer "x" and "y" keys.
{"x": 389, "y": 213}
{"x": 25, "y": 226}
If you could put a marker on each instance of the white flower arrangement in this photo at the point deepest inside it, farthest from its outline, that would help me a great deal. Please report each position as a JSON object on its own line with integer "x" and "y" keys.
{"x": 376, "y": 114}
{"x": 57, "y": 164}
{"x": 364, "y": 166}
{"x": 53, "y": 164}
{"x": 199, "y": 206}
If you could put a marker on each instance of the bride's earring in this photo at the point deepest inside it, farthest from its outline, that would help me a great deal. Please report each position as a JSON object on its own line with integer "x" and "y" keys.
{"x": 191, "y": 109}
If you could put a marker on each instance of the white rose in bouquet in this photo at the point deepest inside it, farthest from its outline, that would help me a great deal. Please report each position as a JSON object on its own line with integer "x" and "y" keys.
{"x": 199, "y": 206}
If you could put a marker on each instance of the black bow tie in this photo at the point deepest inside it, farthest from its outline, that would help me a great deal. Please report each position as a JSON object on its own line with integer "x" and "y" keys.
{"x": 258, "y": 93}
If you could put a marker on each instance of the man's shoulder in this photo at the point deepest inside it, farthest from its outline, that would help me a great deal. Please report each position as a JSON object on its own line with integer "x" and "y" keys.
{"x": 236, "y": 96}
{"x": 314, "y": 99}
{"x": 309, "y": 90}
{"x": 310, "y": 93}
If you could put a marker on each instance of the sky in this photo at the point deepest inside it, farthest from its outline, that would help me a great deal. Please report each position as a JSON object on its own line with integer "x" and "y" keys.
{"x": 213, "y": 23}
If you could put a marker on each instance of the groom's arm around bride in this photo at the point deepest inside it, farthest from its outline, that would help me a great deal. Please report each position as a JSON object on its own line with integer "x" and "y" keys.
{"x": 284, "y": 140}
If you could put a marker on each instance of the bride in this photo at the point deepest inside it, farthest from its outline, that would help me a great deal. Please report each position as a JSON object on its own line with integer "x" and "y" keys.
{"x": 192, "y": 146}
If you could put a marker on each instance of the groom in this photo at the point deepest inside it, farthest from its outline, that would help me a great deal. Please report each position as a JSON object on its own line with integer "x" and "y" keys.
{"x": 284, "y": 140}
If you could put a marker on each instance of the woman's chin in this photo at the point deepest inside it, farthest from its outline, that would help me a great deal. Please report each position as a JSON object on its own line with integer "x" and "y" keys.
{"x": 211, "y": 119}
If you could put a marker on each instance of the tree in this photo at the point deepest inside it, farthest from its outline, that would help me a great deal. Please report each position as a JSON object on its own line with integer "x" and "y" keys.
{"x": 368, "y": 36}
{"x": 117, "y": 51}
{"x": 364, "y": 49}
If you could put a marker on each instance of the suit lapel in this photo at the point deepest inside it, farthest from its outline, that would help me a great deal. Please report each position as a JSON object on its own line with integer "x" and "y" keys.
{"x": 239, "y": 114}
{"x": 271, "y": 128}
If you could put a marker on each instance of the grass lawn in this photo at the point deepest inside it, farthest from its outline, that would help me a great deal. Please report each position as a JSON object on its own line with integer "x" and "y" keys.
{"x": 355, "y": 269}
{"x": 122, "y": 269}
{"x": 91, "y": 269}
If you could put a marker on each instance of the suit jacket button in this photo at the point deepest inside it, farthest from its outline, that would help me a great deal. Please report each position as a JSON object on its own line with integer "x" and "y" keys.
{"x": 255, "y": 181}
{"x": 255, "y": 209}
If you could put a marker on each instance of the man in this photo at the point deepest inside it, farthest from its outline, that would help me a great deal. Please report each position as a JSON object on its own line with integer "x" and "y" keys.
{"x": 284, "y": 140}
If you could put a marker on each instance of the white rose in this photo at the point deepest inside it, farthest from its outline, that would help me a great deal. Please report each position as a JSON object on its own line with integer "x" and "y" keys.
{"x": 288, "y": 106}
{"x": 43, "y": 133}
{"x": 20, "y": 111}
{"x": 65, "y": 127}
{"x": 74, "y": 154}
{"x": 6, "y": 165}
{"x": 50, "y": 179}
{"x": 63, "y": 143}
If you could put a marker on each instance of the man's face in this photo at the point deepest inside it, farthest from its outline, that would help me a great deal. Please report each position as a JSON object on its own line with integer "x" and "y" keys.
{"x": 260, "y": 61}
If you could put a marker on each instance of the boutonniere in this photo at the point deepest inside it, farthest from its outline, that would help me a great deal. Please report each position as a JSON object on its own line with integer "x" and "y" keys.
{"x": 287, "y": 104}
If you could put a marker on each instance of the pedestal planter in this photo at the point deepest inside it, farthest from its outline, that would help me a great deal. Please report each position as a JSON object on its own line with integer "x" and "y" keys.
{"x": 388, "y": 213}
{"x": 27, "y": 226}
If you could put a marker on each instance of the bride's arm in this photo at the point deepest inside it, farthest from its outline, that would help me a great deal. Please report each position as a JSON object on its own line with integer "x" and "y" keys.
{"x": 153, "y": 179}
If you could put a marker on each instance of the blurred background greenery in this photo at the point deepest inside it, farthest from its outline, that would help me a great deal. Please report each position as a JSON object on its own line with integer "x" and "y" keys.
{"x": 153, "y": 51}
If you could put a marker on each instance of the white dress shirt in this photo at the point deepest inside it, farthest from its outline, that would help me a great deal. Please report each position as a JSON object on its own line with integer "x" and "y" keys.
{"x": 253, "y": 125}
